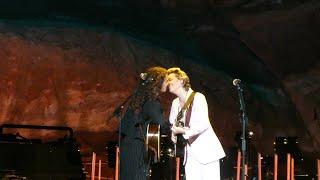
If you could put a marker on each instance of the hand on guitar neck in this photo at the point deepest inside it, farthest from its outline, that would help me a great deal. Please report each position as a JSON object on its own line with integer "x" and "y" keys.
{"x": 179, "y": 126}
{"x": 179, "y": 140}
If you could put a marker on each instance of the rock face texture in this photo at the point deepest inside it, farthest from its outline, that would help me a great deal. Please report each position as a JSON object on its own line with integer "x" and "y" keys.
{"x": 69, "y": 75}
{"x": 288, "y": 43}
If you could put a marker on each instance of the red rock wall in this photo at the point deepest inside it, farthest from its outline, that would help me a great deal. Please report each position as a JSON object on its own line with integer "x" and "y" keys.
{"x": 288, "y": 43}
{"x": 70, "y": 75}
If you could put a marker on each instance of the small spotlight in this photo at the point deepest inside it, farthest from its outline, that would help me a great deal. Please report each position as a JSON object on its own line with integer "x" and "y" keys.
{"x": 250, "y": 133}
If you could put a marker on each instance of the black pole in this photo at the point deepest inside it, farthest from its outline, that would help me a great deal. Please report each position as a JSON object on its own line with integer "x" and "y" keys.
{"x": 117, "y": 113}
{"x": 244, "y": 122}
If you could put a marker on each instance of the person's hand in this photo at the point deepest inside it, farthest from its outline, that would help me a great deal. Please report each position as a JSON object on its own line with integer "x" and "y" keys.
{"x": 177, "y": 130}
{"x": 173, "y": 138}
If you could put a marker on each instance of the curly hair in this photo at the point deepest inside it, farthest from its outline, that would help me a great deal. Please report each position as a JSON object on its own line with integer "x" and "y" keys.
{"x": 148, "y": 88}
{"x": 181, "y": 75}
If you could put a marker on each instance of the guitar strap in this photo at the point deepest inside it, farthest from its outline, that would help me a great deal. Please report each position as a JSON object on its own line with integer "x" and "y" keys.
{"x": 186, "y": 105}
{"x": 188, "y": 114}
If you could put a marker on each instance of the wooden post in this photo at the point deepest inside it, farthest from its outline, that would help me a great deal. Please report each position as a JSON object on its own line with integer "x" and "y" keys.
{"x": 238, "y": 165}
{"x": 259, "y": 167}
{"x": 292, "y": 169}
{"x": 93, "y": 165}
{"x": 275, "y": 167}
{"x": 99, "y": 172}
{"x": 245, "y": 171}
{"x": 116, "y": 174}
{"x": 288, "y": 166}
{"x": 177, "y": 168}
{"x": 318, "y": 169}
{"x": 318, "y": 164}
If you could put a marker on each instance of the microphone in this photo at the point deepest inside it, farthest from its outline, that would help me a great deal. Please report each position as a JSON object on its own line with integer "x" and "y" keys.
{"x": 236, "y": 82}
{"x": 146, "y": 78}
{"x": 143, "y": 76}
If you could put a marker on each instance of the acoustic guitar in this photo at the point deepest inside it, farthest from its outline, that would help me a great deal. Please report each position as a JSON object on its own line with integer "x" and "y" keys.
{"x": 153, "y": 141}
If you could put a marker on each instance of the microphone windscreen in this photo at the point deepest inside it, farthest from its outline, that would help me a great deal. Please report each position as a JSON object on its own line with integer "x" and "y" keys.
{"x": 236, "y": 82}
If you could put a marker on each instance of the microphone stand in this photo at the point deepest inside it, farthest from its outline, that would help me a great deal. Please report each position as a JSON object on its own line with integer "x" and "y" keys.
{"x": 244, "y": 122}
{"x": 117, "y": 112}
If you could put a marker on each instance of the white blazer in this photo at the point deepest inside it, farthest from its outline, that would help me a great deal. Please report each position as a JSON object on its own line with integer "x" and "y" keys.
{"x": 206, "y": 148}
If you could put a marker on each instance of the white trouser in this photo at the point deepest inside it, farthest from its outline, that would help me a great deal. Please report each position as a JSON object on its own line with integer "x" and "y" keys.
{"x": 197, "y": 171}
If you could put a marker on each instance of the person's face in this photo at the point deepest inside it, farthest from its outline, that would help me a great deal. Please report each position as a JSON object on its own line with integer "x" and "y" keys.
{"x": 164, "y": 84}
{"x": 174, "y": 83}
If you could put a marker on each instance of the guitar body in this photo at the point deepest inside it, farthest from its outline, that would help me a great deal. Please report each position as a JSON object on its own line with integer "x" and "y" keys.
{"x": 159, "y": 147}
{"x": 153, "y": 141}
{"x": 181, "y": 141}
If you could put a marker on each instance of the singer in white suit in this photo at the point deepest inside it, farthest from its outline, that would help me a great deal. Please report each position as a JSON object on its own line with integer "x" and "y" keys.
{"x": 204, "y": 149}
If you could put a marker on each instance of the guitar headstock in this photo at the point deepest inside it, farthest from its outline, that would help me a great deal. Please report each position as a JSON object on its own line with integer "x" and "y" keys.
{"x": 179, "y": 123}
{"x": 179, "y": 116}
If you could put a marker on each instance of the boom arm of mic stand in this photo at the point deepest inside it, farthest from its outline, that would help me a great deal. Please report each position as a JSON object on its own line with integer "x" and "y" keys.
{"x": 241, "y": 99}
{"x": 117, "y": 111}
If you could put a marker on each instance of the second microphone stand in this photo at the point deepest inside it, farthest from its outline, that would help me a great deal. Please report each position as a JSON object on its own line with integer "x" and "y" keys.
{"x": 244, "y": 122}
